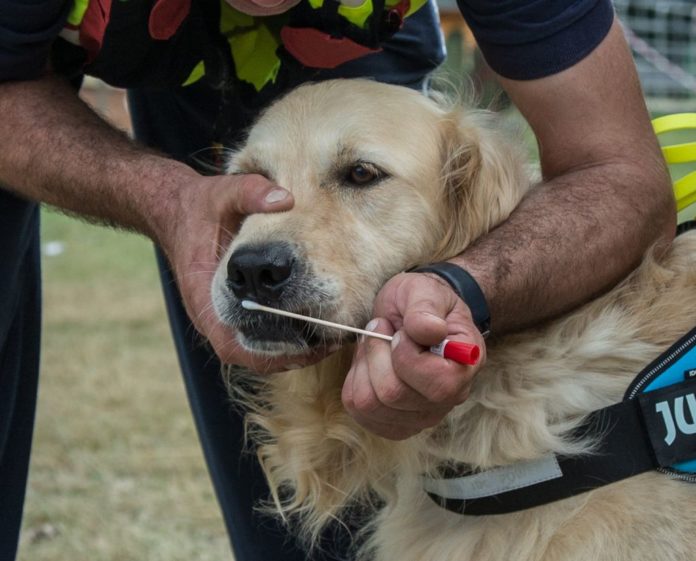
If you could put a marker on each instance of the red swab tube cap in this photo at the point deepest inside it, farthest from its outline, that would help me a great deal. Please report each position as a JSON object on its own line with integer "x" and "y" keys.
{"x": 463, "y": 353}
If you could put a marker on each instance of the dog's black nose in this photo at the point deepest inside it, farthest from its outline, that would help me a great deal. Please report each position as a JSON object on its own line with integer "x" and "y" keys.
{"x": 260, "y": 272}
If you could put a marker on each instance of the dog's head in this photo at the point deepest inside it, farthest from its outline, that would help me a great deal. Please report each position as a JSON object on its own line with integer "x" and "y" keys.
{"x": 383, "y": 179}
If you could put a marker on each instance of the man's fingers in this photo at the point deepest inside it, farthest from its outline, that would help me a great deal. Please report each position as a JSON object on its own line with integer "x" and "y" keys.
{"x": 390, "y": 390}
{"x": 426, "y": 311}
{"x": 440, "y": 382}
{"x": 359, "y": 393}
{"x": 373, "y": 389}
{"x": 420, "y": 303}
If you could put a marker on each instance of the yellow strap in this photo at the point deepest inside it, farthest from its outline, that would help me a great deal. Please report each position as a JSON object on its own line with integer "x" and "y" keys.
{"x": 685, "y": 187}
{"x": 685, "y": 191}
{"x": 680, "y": 153}
{"x": 676, "y": 122}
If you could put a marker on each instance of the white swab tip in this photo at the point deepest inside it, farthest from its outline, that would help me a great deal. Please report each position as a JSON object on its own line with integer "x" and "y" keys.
{"x": 250, "y": 305}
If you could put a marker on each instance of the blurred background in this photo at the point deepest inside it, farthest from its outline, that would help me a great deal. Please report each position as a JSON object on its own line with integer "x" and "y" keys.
{"x": 661, "y": 33}
{"x": 117, "y": 473}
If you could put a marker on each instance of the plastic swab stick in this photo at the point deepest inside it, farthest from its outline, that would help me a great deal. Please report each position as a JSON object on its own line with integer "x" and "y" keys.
{"x": 463, "y": 353}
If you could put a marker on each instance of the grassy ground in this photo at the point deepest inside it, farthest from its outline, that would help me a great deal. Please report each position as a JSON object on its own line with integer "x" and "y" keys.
{"x": 117, "y": 473}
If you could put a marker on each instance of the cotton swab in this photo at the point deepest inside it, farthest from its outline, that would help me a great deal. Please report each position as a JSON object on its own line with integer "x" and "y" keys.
{"x": 463, "y": 353}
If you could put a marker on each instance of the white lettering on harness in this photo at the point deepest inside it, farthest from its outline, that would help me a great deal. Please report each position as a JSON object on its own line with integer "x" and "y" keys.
{"x": 682, "y": 424}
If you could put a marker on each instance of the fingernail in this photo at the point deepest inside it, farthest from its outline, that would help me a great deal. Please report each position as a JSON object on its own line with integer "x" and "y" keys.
{"x": 276, "y": 196}
{"x": 395, "y": 340}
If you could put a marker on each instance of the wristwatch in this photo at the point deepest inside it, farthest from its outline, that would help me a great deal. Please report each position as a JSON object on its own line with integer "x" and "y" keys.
{"x": 466, "y": 287}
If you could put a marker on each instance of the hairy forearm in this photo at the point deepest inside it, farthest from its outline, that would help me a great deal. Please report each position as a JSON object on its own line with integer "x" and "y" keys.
{"x": 570, "y": 239}
{"x": 58, "y": 151}
{"x": 606, "y": 198}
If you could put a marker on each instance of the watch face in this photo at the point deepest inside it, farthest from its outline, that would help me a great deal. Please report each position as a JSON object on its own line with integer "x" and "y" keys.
{"x": 262, "y": 7}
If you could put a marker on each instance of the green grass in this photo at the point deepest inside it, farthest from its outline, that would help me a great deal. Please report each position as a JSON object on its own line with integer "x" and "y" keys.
{"x": 117, "y": 473}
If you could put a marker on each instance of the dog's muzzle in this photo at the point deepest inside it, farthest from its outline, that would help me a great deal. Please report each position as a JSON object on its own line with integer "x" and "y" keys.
{"x": 274, "y": 274}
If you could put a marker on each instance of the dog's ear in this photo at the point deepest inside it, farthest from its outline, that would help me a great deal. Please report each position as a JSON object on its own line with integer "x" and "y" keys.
{"x": 483, "y": 178}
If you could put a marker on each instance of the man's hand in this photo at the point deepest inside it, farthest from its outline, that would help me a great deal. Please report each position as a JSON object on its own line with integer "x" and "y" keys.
{"x": 208, "y": 213}
{"x": 397, "y": 391}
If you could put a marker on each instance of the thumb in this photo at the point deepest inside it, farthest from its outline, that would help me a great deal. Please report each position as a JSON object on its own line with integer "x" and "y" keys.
{"x": 249, "y": 194}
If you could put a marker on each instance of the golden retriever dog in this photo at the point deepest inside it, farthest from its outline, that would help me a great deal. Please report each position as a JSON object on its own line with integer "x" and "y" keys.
{"x": 385, "y": 178}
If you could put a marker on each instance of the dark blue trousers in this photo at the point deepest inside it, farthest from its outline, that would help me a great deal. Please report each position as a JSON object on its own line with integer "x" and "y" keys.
{"x": 20, "y": 324}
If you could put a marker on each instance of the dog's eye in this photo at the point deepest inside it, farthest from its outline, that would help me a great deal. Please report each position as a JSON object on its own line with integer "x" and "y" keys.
{"x": 363, "y": 173}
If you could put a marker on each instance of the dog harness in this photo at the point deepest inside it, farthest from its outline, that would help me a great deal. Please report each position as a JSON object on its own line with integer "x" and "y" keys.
{"x": 654, "y": 427}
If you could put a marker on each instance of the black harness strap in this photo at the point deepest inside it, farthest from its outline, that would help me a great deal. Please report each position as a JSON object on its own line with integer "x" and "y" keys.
{"x": 634, "y": 436}
{"x": 623, "y": 452}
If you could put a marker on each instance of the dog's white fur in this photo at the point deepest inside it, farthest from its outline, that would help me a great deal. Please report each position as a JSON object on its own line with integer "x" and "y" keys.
{"x": 450, "y": 179}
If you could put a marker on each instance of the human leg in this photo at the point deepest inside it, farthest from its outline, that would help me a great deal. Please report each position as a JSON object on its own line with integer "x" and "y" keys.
{"x": 20, "y": 325}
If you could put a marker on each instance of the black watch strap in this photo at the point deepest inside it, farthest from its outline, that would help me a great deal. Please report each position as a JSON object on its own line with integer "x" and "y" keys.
{"x": 466, "y": 287}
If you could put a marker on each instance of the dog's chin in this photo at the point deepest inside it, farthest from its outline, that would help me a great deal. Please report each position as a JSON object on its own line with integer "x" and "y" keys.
{"x": 279, "y": 338}
{"x": 272, "y": 348}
